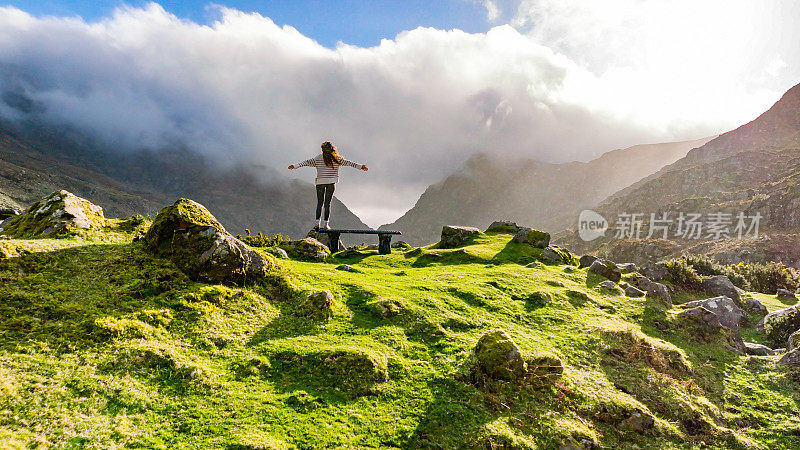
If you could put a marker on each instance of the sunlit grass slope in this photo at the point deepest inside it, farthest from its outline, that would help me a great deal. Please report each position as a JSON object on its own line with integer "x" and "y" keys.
{"x": 103, "y": 346}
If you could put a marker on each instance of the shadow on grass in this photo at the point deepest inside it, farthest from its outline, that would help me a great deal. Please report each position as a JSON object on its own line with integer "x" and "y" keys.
{"x": 57, "y": 297}
{"x": 459, "y": 415}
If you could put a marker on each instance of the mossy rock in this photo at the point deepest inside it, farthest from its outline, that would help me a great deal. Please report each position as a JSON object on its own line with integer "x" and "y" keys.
{"x": 554, "y": 254}
{"x": 455, "y": 236}
{"x": 308, "y": 249}
{"x": 57, "y": 214}
{"x": 499, "y": 357}
{"x": 353, "y": 370}
{"x": 317, "y": 305}
{"x": 503, "y": 226}
{"x": 779, "y": 325}
{"x": 536, "y": 238}
{"x": 189, "y": 235}
{"x": 385, "y": 307}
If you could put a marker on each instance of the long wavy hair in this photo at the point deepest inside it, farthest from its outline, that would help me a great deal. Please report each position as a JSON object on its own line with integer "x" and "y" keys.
{"x": 329, "y": 154}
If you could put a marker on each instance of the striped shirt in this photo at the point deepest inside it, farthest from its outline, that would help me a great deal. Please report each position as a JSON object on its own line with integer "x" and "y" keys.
{"x": 326, "y": 174}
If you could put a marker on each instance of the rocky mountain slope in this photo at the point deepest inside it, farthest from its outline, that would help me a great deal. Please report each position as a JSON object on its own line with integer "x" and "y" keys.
{"x": 542, "y": 195}
{"x": 106, "y": 341}
{"x": 36, "y": 160}
{"x": 754, "y": 169}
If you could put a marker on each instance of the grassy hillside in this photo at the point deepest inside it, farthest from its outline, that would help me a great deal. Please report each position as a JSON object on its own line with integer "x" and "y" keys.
{"x": 103, "y": 346}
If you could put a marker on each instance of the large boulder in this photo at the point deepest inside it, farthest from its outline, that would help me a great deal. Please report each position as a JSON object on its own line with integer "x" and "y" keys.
{"x": 188, "y": 234}
{"x": 536, "y": 238}
{"x": 752, "y": 305}
{"x": 709, "y": 327}
{"x": 659, "y": 291}
{"x": 633, "y": 291}
{"x": 456, "y": 236}
{"x": 728, "y": 313}
{"x": 757, "y": 349}
{"x": 607, "y": 269}
{"x": 779, "y": 325}
{"x": 59, "y": 212}
{"x": 307, "y": 249}
{"x": 503, "y": 226}
{"x": 785, "y": 294}
{"x": 791, "y": 358}
{"x": 722, "y": 285}
{"x": 555, "y": 255}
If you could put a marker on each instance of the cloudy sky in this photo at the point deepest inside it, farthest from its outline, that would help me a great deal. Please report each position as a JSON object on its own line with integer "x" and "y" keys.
{"x": 410, "y": 88}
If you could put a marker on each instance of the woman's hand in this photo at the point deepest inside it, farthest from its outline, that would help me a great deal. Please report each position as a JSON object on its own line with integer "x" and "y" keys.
{"x": 364, "y": 168}
{"x": 291, "y": 167}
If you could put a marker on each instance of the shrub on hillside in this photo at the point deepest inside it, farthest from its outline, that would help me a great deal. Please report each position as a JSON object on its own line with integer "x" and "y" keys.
{"x": 706, "y": 266}
{"x": 262, "y": 240}
{"x": 760, "y": 277}
{"x": 682, "y": 274}
{"x": 769, "y": 277}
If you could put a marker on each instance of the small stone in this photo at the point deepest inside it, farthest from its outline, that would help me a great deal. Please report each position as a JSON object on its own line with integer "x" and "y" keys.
{"x": 279, "y": 252}
{"x": 659, "y": 291}
{"x": 638, "y": 422}
{"x": 347, "y": 268}
{"x": 633, "y": 291}
{"x": 608, "y": 285}
{"x": 317, "y": 305}
{"x": 757, "y": 349}
{"x": 791, "y": 358}
{"x": 794, "y": 340}
{"x": 784, "y": 294}
{"x": 533, "y": 265}
{"x": 307, "y": 248}
{"x": 550, "y": 255}
{"x": 752, "y": 305}
{"x": 536, "y": 238}
{"x": 628, "y": 267}
{"x": 503, "y": 226}
{"x": 586, "y": 261}
{"x": 606, "y": 269}
{"x": 400, "y": 244}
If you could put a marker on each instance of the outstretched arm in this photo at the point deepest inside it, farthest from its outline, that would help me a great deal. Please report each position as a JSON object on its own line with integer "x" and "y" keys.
{"x": 357, "y": 166}
{"x": 307, "y": 163}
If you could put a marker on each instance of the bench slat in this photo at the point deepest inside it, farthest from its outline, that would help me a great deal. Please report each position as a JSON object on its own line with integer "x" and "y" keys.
{"x": 359, "y": 231}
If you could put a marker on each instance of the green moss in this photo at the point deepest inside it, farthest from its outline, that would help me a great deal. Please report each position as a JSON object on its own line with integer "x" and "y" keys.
{"x": 50, "y": 216}
{"x": 104, "y": 342}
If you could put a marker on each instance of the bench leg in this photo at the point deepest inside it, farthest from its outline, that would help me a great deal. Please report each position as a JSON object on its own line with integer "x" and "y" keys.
{"x": 333, "y": 240}
{"x": 384, "y": 244}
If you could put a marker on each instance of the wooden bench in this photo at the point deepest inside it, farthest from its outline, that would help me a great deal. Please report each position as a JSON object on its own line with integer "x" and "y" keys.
{"x": 384, "y": 238}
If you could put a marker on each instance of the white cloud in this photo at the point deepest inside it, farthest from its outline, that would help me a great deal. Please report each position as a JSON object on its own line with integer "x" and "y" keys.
{"x": 247, "y": 91}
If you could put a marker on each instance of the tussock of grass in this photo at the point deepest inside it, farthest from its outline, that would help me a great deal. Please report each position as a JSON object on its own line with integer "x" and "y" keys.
{"x": 103, "y": 345}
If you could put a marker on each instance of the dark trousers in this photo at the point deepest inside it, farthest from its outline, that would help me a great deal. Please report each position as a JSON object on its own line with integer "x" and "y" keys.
{"x": 324, "y": 195}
